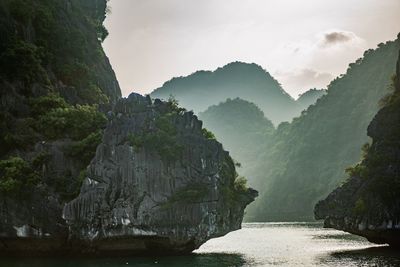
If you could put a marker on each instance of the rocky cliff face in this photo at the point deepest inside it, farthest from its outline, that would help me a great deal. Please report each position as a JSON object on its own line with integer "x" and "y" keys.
{"x": 368, "y": 204}
{"x": 55, "y": 46}
{"x": 155, "y": 180}
{"x": 158, "y": 183}
{"x": 145, "y": 191}
{"x": 51, "y": 60}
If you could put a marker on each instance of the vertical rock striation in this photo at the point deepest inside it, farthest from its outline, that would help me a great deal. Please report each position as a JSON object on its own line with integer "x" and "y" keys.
{"x": 146, "y": 191}
{"x": 46, "y": 48}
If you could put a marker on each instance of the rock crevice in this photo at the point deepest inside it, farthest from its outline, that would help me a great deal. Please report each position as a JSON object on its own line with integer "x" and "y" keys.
{"x": 132, "y": 191}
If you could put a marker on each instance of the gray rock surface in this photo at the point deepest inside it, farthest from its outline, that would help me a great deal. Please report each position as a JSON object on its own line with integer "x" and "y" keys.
{"x": 134, "y": 199}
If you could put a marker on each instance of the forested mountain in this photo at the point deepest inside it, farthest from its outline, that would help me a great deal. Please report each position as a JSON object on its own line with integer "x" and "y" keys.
{"x": 242, "y": 129}
{"x": 310, "y": 97}
{"x": 55, "y": 83}
{"x": 249, "y": 82}
{"x": 51, "y": 57}
{"x": 307, "y": 157}
{"x": 83, "y": 171}
{"x": 368, "y": 203}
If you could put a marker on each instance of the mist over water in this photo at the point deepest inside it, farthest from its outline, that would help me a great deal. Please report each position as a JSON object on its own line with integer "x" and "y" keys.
{"x": 257, "y": 244}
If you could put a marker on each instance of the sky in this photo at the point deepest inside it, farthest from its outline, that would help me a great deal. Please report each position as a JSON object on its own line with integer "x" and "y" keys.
{"x": 303, "y": 44}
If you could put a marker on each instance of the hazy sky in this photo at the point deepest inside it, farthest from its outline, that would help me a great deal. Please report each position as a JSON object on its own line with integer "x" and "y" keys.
{"x": 303, "y": 44}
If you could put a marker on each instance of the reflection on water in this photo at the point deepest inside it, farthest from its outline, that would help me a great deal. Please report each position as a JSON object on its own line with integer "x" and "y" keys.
{"x": 301, "y": 244}
{"x": 257, "y": 244}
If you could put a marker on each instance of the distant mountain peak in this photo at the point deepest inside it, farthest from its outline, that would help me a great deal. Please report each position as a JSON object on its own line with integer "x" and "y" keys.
{"x": 242, "y": 65}
{"x": 247, "y": 81}
{"x": 310, "y": 97}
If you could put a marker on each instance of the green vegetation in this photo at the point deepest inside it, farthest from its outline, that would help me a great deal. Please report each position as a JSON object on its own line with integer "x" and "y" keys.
{"x": 51, "y": 119}
{"x": 21, "y": 10}
{"x": 357, "y": 171}
{"x": 42, "y": 105}
{"x": 392, "y": 96}
{"x": 85, "y": 149}
{"x": 207, "y": 134}
{"x": 101, "y": 30}
{"x": 55, "y": 78}
{"x": 21, "y": 61}
{"x": 67, "y": 187}
{"x": 237, "y": 185}
{"x": 75, "y": 122}
{"x": 41, "y": 159}
{"x": 173, "y": 105}
{"x": 305, "y": 159}
{"x": 17, "y": 176}
{"x": 66, "y": 50}
{"x": 309, "y": 98}
{"x": 240, "y": 184}
{"x": 16, "y": 133}
{"x": 359, "y": 207}
{"x": 162, "y": 138}
{"x": 365, "y": 150}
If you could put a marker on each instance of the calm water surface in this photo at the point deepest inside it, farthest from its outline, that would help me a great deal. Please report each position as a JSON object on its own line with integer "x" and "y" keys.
{"x": 260, "y": 244}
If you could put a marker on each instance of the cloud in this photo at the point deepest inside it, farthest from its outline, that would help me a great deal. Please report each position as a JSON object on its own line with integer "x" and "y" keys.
{"x": 301, "y": 80}
{"x": 334, "y": 38}
{"x": 337, "y": 37}
{"x": 316, "y": 60}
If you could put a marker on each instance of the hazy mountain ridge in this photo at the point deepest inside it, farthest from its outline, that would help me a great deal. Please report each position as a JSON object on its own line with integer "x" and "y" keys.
{"x": 309, "y": 97}
{"x": 368, "y": 203}
{"x": 249, "y": 82}
{"x": 242, "y": 129}
{"x": 307, "y": 157}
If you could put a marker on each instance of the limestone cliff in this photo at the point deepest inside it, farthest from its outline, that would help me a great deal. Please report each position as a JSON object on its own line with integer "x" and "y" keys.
{"x": 158, "y": 182}
{"x": 368, "y": 204}
{"x": 155, "y": 180}
{"x": 55, "y": 81}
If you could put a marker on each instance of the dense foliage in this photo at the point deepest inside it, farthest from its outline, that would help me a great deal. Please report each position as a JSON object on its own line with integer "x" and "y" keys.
{"x": 371, "y": 194}
{"x": 51, "y": 119}
{"x": 17, "y": 176}
{"x": 85, "y": 149}
{"x": 52, "y": 49}
{"x": 54, "y": 80}
{"x": 307, "y": 158}
{"x": 381, "y": 162}
{"x": 233, "y": 192}
{"x": 75, "y": 122}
